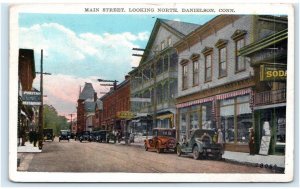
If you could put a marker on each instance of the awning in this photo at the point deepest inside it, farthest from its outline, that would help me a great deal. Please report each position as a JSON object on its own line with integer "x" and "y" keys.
{"x": 167, "y": 116}
{"x": 233, "y": 94}
{"x": 195, "y": 102}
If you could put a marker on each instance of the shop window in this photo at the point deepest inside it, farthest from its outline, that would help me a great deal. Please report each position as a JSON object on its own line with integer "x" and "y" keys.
{"x": 194, "y": 117}
{"x": 281, "y": 127}
{"x": 227, "y": 119}
{"x": 236, "y": 119}
{"x": 183, "y": 122}
{"x": 206, "y": 116}
{"x": 244, "y": 119}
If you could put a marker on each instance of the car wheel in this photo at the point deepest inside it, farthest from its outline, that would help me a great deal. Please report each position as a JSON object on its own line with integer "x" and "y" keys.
{"x": 178, "y": 150}
{"x": 146, "y": 148}
{"x": 58, "y": 140}
{"x": 158, "y": 150}
{"x": 196, "y": 153}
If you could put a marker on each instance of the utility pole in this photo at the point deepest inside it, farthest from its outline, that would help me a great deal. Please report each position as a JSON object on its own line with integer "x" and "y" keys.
{"x": 41, "y": 108}
{"x": 71, "y": 122}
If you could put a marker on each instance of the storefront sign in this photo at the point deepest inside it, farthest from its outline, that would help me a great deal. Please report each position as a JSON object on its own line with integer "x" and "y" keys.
{"x": 125, "y": 115}
{"x": 31, "y": 98}
{"x": 273, "y": 72}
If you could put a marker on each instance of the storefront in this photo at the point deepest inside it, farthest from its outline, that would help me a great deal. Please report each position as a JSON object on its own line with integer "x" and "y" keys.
{"x": 231, "y": 112}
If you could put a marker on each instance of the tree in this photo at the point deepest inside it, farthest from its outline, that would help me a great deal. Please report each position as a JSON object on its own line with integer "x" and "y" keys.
{"x": 54, "y": 121}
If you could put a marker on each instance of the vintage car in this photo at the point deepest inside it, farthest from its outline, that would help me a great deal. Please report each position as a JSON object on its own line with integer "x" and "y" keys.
{"x": 201, "y": 145}
{"x": 101, "y": 136}
{"x": 85, "y": 136}
{"x": 48, "y": 134}
{"x": 64, "y": 135}
{"x": 111, "y": 136}
{"x": 163, "y": 139}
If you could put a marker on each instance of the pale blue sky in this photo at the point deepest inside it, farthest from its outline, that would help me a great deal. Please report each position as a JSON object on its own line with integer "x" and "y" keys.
{"x": 80, "y": 48}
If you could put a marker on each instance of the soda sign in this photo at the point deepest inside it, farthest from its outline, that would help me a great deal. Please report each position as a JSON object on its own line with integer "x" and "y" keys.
{"x": 273, "y": 72}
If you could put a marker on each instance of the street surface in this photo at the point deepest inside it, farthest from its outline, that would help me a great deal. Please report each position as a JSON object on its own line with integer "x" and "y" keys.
{"x": 74, "y": 156}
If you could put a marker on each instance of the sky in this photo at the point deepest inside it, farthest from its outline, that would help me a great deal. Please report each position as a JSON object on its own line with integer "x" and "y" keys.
{"x": 81, "y": 48}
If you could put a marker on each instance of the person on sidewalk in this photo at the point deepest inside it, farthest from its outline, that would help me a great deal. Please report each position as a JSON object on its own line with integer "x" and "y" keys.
{"x": 251, "y": 141}
{"x": 221, "y": 139}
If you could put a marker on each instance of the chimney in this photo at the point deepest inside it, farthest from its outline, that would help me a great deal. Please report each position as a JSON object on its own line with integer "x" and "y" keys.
{"x": 95, "y": 96}
{"x": 127, "y": 77}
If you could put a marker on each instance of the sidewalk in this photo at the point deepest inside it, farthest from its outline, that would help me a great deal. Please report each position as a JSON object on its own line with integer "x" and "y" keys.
{"x": 28, "y": 148}
{"x": 237, "y": 157}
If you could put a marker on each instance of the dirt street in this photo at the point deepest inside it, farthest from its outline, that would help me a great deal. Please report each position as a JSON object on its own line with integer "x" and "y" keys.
{"x": 74, "y": 156}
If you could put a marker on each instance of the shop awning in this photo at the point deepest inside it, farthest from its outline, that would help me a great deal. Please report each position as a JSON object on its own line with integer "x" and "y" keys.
{"x": 167, "y": 116}
{"x": 233, "y": 94}
{"x": 195, "y": 102}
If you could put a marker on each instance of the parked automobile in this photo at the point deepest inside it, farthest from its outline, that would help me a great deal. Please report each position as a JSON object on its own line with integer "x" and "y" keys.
{"x": 111, "y": 136}
{"x": 101, "y": 136}
{"x": 48, "y": 134}
{"x": 64, "y": 135}
{"x": 85, "y": 136}
{"x": 93, "y": 135}
{"x": 163, "y": 139}
{"x": 201, "y": 145}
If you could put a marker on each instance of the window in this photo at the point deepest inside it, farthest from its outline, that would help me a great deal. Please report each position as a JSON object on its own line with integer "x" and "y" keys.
{"x": 195, "y": 73}
{"x": 166, "y": 63}
{"x": 208, "y": 68}
{"x": 163, "y": 45}
{"x": 169, "y": 42}
{"x": 239, "y": 60}
{"x": 184, "y": 76}
{"x": 222, "y": 62}
{"x": 236, "y": 119}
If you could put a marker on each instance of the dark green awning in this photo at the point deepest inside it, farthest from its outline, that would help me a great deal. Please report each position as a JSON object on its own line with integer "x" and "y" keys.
{"x": 261, "y": 44}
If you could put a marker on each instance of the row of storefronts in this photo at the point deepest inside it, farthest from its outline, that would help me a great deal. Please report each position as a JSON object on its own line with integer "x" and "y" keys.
{"x": 220, "y": 75}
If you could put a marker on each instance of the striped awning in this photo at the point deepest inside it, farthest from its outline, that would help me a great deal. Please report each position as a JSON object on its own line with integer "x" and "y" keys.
{"x": 195, "y": 102}
{"x": 233, "y": 94}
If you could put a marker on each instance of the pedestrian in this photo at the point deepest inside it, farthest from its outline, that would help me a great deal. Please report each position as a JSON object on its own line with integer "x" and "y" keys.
{"x": 221, "y": 139}
{"x": 251, "y": 141}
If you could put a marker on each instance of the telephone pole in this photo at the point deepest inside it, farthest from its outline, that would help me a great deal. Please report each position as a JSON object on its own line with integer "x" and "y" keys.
{"x": 41, "y": 108}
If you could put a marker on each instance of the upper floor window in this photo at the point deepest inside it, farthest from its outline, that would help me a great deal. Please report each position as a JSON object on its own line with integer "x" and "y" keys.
{"x": 184, "y": 64}
{"x": 207, "y": 51}
{"x": 223, "y": 62}
{"x": 195, "y": 72}
{"x": 239, "y": 37}
{"x": 239, "y": 60}
{"x": 169, "y": 42}
{"x": 163, "y": 45}
{"x": 195, "y": 58}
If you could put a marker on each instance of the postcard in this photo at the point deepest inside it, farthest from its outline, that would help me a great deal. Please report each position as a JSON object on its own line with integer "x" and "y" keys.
{"x": 137, "y": 92}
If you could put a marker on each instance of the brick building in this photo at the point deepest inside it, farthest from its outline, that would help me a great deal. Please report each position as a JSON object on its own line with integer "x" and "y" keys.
{"x": 116, "y": 107}
{"x": 99, "y": 115}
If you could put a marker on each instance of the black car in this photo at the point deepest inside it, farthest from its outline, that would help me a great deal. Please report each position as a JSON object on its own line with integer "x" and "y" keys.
{"x": 64, "y": 135}
{"x": 85, "y": 136}
{"x": 101, "y": 136}
{"x": 48, "y": 134}
{"x": 201, "y": 145}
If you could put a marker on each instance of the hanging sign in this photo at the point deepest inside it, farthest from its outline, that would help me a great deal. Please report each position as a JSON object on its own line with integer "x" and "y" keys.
{"x": 273, "y": 72}
{"x": 31, "y": 98}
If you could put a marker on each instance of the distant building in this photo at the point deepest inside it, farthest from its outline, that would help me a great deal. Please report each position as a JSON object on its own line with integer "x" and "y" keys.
{"x": 116, "y": 107}
{"x": 99, "y": 115}
{"x": 85, "y": 107}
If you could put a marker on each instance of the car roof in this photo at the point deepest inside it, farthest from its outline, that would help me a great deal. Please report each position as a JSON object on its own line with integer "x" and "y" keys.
{"x": 163, "y": 129}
